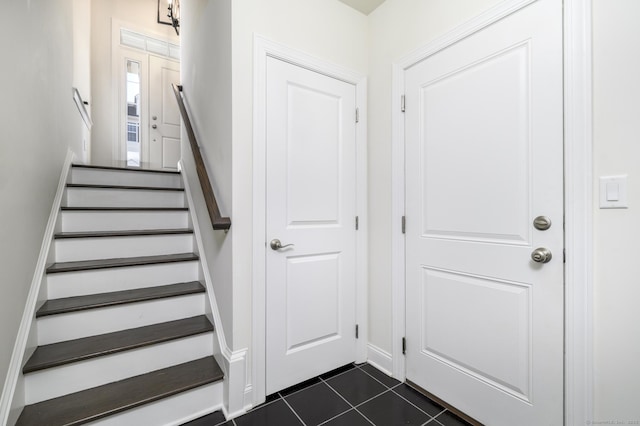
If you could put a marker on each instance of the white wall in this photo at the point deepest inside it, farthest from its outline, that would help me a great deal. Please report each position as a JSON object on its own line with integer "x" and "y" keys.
{"x": 206, "y": 80}
{"x": 397, "y": 27}
{"x": 326, "y": 29}
{"x": 616, "y": 42}
{"x": 142, "y": 16}
{"x": 39, "y": 121}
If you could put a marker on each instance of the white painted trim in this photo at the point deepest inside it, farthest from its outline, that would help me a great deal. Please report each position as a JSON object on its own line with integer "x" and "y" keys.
{"x": 28, "y": 316}
{"x": 380, "y": 359}
{"x": 235, "y": 383}
{"x": 578, "y": 212}
{"x": 578, "y": 197}
{"x": 264, "y": 48}
{"x": 233, "y": 362}
{"x": 217, "y": 319}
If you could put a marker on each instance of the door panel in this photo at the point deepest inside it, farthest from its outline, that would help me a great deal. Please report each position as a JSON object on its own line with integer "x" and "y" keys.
{"x": 484, "y": 150}
{"x": 164, "y": 146}
{"x": 311, "y": 195}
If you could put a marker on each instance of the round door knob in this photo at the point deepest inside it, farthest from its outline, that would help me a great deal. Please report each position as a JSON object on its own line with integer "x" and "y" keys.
{"x": 541, "y": 255}
{"x": 155, "y": 126}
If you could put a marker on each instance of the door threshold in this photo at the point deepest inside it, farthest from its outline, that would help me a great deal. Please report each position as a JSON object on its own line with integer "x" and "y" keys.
{"x": 446, "y": 405}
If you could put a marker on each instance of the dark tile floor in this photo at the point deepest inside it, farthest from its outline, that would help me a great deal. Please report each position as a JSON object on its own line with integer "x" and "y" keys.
{"x": 353, "y": 395}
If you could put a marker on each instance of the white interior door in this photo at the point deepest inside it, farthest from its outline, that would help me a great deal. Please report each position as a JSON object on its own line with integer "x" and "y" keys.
{"x": 164, "y": 115}
{"x": 311, "y": 201}
{"x": 484, "y": 158}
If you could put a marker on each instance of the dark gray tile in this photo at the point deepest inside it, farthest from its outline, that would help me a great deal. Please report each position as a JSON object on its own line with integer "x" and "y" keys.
{"x": 350, "y": 418}
{"x": 421, "y": 401}
{"x": 356, "y": 386}
{"x": 380, "y": 376}
{"x": 276, "y": 413}
{"x": 389, "y": 409}
{"x": 449, "y": 419}
{"x": 212, "y": 419}
{"x": 299, "y": 386}
{"x": 339, "y": 370}
{"x": 317, "y": 404}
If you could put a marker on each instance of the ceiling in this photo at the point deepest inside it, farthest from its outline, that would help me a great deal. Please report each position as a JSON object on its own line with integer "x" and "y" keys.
{"x": 364, "y": 6}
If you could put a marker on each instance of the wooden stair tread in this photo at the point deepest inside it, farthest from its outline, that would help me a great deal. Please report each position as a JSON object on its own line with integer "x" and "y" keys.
{"x": 143, "y": 188}
{"x": 102, "y": 300}
{"x": 106, "y": 209}
{"x": 92, "y": 404}
{"x": 61, "y": 353}
{"x": 84, "y": 265}
{"x": 126, "y": 169}
{"x": 124, "y": 233}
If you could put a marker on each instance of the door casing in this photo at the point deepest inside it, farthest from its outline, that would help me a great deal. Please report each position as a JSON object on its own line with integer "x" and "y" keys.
{"x": 264, "y": 48}
{"x": 578, "y": 197}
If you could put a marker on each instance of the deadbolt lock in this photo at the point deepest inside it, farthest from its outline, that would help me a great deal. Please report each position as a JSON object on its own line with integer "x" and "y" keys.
{"x": 542, "y": 223}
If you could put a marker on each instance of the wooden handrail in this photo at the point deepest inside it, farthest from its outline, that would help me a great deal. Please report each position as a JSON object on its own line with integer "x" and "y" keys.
{"x": 217, "y": 220}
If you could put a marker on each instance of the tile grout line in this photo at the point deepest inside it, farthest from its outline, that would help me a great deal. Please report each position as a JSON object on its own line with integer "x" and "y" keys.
{"x": 355, "y": 407}
{"x": 374, "y": 378}
{"x": 411, "y": 403}
{"x": 320, "y": 381}
{"x": 294, "y": 411}
{"x": 336, "y": 416}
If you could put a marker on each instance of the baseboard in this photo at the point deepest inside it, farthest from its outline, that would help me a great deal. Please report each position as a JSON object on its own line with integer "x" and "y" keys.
{"x": 380, "y": 359}
{"x": 8, "y": 405}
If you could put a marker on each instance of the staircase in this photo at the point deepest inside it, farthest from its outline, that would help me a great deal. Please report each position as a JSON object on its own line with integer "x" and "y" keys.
{"x": 123, "y": 337}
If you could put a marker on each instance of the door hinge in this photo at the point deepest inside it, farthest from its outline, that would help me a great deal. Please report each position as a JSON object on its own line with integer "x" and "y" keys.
{"x": 357, "y": 115}
{"x": 357, "y": 223}
{"x": 404, "y": 346}
{"x": 404, "y": 224}
{"x": 357, "y": 333}
{"x": 402, "y": 103}
{"x": 564, "y": 255}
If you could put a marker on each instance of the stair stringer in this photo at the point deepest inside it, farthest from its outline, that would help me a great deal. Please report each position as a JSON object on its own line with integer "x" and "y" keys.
{"x": 233, "y": 363}
{"x": 12, "y": 399}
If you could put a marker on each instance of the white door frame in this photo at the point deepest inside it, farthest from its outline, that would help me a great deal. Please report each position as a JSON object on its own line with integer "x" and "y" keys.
{"x": 264, "y": 48}
{"x": 578, "y": 196}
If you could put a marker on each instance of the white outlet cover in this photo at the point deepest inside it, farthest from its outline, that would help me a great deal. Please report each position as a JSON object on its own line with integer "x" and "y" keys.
{"x": 613, "y": 192}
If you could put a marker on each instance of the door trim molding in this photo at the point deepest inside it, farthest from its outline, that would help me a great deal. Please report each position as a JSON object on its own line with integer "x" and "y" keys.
{"x": 264, "y": 48}
{"x": 578, "y": 185}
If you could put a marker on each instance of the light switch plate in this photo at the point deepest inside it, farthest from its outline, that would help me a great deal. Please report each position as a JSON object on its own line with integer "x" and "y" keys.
{"x": 613, "y": 192}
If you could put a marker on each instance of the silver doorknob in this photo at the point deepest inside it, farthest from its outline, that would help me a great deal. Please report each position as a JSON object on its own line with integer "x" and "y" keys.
{"x": 154, "y": 126}
{"x": 155, "y": 117}
{"x": 277, "y": 245}
{"x": 541, "y": 255}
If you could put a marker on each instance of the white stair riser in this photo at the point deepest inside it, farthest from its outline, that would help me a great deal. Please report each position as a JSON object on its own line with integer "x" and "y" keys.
{"x": 122, "y": 177}
{"x": 87, "y": 221}
{"x": 58, "y": 381}
{"x": 90, "y": 197}
{"x": 75, "y": 325}
{"x": 69, "y": 284}
{"x": 172, "y": 411}
{"x": 72, "y": 249}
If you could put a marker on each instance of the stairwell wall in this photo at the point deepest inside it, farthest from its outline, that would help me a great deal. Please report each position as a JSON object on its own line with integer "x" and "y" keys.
{"x": 206, "y": 79}
{"x": 40, "y": 123}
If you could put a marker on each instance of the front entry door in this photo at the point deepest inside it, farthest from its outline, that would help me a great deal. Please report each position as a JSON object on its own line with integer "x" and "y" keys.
{"x": 484, "y": 159}
{"x": 164, "y": 116}
{"x": 310, "y": 205}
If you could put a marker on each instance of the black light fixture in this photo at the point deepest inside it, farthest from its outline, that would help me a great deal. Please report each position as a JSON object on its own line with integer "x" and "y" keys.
{"x": 169, "y": 13}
